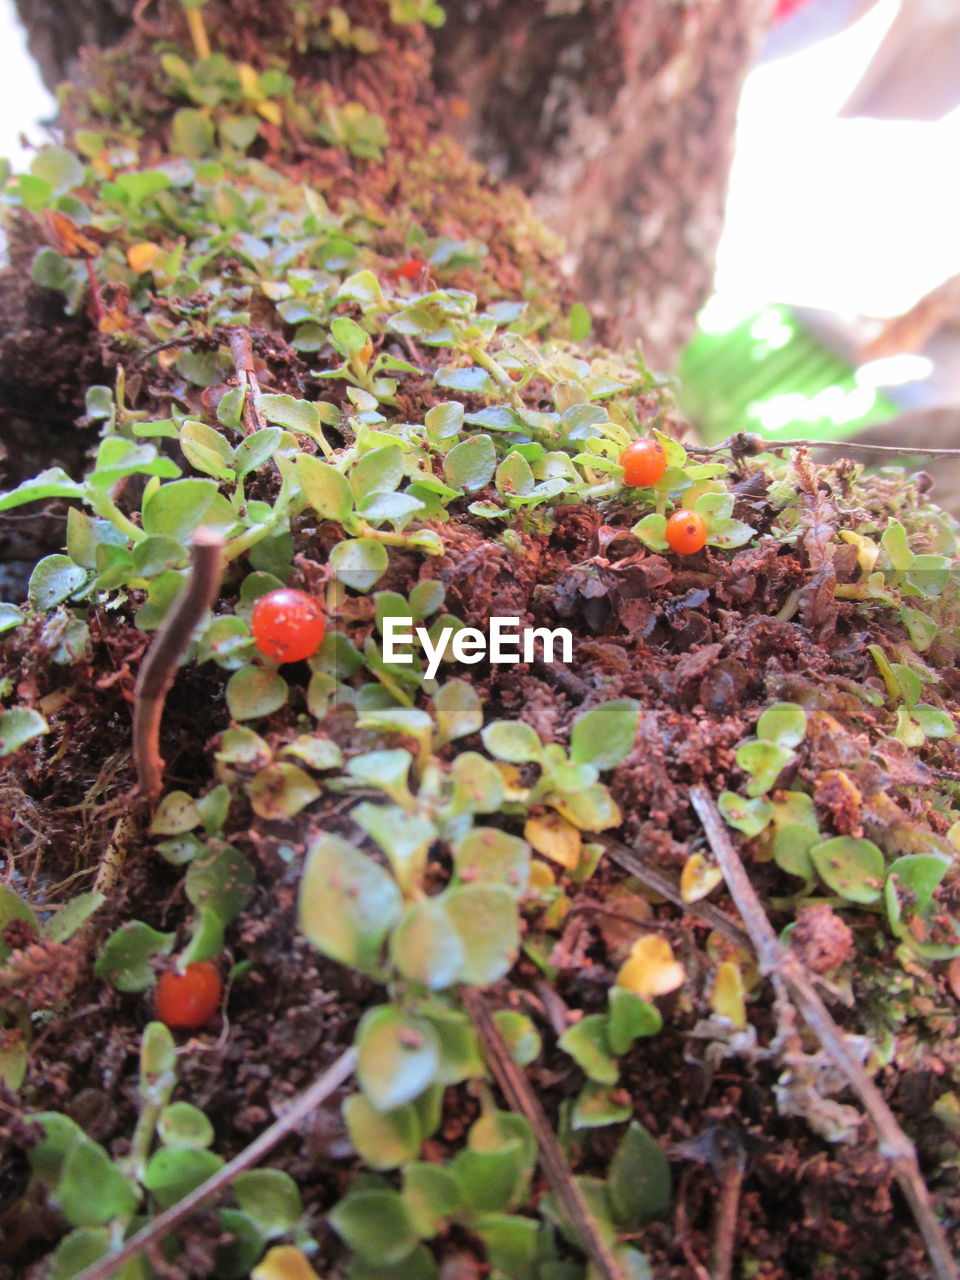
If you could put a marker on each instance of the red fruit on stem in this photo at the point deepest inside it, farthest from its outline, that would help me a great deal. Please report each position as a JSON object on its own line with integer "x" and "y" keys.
{"x": 643, "y": 462}
{"x": 287, "y": 625}
{"x": 408, "y": 270}
{"x": 191, "y": 998}
{"x": 686, "y": 532}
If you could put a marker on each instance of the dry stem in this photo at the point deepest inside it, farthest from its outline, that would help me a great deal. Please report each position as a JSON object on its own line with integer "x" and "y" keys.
{"x": 520, "y": 1096}
{"x": 776, "y": 961}
{"x": 159, "y": 668}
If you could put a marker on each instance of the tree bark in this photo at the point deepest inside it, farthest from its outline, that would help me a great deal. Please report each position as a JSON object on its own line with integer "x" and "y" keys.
{"x": 616, "y": 116}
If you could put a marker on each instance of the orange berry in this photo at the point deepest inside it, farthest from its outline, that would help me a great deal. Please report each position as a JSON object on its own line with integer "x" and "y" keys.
{"x": 643, "y": 462}
{"x": 686, "y": 532}
{"x": 191, "y": 998}
{"x": 408, "y": 270}
{"x": 287, "y": 625}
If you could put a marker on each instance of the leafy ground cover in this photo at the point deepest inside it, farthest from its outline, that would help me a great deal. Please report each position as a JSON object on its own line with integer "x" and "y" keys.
{"x": 335, "y": 355}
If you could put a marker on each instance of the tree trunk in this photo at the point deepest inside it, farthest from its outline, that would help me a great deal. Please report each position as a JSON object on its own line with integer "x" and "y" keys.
{"x": 618, "y": 120}
{"x": 615, "y": 116}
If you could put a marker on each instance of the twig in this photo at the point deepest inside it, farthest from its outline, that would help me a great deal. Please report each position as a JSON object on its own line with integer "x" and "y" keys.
{"x": 165, "y": 1222}
{"x": 746, "y": 444}
{"x": 777, "y": 961}
{"x": 241, "y": 348}
{"x": 520, "y": 1096}
{"x": 731, "y": 1167}
{"x": 159, "y": 668}
{"x": 668, "y": 888}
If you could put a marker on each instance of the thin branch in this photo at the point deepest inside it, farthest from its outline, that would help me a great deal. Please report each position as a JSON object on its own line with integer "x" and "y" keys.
{"x": 241, "y": 348}
{"x": 668, "y": 888}
{"x": 777, "y": 961}
{"x": 163, "y": 1223}
{"x": 521, "y": 1098}
{"x": 746, "y": 444}
{"x": 730, "y": 1175}
{"x": 159, "y": 668}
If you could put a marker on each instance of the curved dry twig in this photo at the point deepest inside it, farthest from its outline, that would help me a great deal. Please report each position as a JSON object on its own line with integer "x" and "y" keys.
{"x": 159, "y": 668}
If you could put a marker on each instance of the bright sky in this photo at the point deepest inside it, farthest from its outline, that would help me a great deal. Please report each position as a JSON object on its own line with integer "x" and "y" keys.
{"x": 858, "y": 216}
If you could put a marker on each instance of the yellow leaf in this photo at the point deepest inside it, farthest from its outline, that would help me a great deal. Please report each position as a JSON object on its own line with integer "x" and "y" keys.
{"x": 284, "y": 1262}
{"x": 698, "y": 878}
{"x": 513, "y": 788}
{"x": 270, "y": 112}
{"x": 142, "y": 256}
{"x": 541, "y": 880}
{"x": 555, "y": 838}
{"x": 727, "y": 999}
{"x": 249, "y": 80}
{"x": 114, "y": 321}
{"x": 651, "y": 969}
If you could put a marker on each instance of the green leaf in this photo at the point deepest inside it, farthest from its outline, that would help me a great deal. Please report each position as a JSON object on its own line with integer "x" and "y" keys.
{"x": 477, "y": 784}
{"x": 10, "y": 616}
{"x": 514, "y": 477}
{"x": 301, "y": 416}
{"x": 920, "y": 875}
{"x": 192, "y": 133}
{"x": 748, "y": 816}
{"x": 605, "y": 735}
{"x": 325, "y": 488}
{"x": 206, "y": 450}
{"x": 469, "y": 379}
{"x": 181, "y": 1124}
{"x": 485, "y": 916}
{"x": 398, "y": 1056}
{"x": 52, "y": 483}
{"x": 934, "y": 722}
{"x": 281, "y": 791}
{"x": 64, "y": 923}
{"x": 221, "y": 879}
{"x": 486, "y": 855}
{"x": 253, "y": 692}
{"x": 178, "y": 508}
{"x": 579, "y": 322}
{"x": 18, "y": 726}
{"x": 13, "y": 907}
{"x": 785, "y": 723}
{"x": 383, "y": 1139}
{"x": 431, "y": 1194}
{"x": 78, "y": 1250}
{"x": 852, "y": 868}
{"x": 348, "y": 903}
{"x": 175, "y": 814}
{"x": 425, "y": 945}
{"x": 173, "y": 1172}
{"x": 91, "y": 1189}
{"x": 521, "y": 1036}
{"x": 271, "y": 1198}
{"x": 58, "y": 166}
{"x": 639, "y": 1181}
{"x": 359, "y": 563}
{"x": 54, "y": 579}
{"x": 347, "y": 337}
{"x": 458, "y": 711}
{"x": 380, "y": 471}
{"x": 512, "y": 741}
{"x": 895, "y": 544}
{"x": 629, "y": 1018}
{"x": 470, "y": 465}
{"x": 376, "y": 1225}
{"x": 126, "y": 955}
{"x": 597, "y": 1105}
{"x": 586, "y": 1042}
{"x": 242, "y": 1246}
{"x": 764, "y": 762}
{"x": 444, "y": 421}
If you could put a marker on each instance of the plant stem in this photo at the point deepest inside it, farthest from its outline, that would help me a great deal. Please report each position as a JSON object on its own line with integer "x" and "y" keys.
{"x": 104, "y": 506}
{"x": 165, "y": 1222}
{"x": 776, "y": 961}
{"x": 198, "y": 33}
{"x": 522, "y": 1099}
{"x": 159, "y": 668}
{"x": 495, "y": 370}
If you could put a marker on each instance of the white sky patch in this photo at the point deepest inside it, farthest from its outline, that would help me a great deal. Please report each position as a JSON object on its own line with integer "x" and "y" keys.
{"x": 25, "y": 100}
{"x": 856, "y": 216}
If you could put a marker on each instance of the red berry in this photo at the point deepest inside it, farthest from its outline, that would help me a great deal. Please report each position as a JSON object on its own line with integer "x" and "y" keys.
{"x": 643, "y": 462}
{"x": 409, "y": 270}
{"x": 686, "y": 532}
{"x": 191, "y": 998}
{"x": 287, "y": 625}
